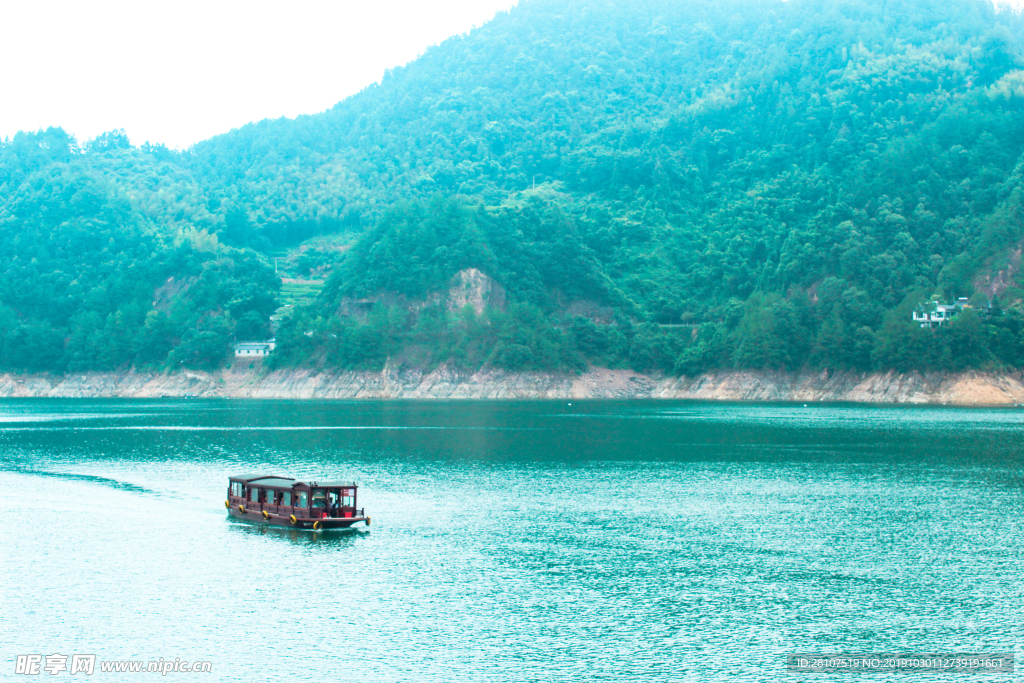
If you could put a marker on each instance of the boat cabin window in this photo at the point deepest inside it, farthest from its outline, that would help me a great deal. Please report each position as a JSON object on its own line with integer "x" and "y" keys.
{"x": 318, "y": 498}
{"x": 300, "y": 499}
{"x": 286, "y": 498}
{"x": 236, "y": 488}
{"x": 254, "y": 494}
{"x": 348, "y": 498}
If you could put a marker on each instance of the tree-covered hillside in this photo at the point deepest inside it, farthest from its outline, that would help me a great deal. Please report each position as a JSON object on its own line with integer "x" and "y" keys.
{"x": 89, "y": 281}
{"x": 672, "y": 186}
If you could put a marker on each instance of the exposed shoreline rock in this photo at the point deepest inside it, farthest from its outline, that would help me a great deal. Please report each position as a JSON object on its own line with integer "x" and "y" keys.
{"x": 249, "y": 380}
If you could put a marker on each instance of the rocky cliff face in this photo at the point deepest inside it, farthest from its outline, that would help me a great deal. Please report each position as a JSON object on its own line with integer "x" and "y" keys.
{"x": 470, "y": 287}
{"x": 243, "y": 381}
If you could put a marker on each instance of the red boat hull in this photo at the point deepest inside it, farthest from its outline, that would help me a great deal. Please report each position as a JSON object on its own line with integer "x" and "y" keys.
{"x": 315, "y": 524}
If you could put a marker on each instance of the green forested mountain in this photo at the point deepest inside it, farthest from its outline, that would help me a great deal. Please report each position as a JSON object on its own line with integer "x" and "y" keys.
{"x": 671, "y": 186}
{"x": 93, "y": 279}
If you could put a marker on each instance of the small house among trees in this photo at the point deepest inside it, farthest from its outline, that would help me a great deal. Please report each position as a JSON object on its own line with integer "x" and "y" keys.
{"x": 262, "y": 348}
{"x": 934, "y": 314}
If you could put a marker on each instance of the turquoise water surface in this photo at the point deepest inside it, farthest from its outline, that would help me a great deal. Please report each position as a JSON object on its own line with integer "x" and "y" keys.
{"x": 512, "y": 541}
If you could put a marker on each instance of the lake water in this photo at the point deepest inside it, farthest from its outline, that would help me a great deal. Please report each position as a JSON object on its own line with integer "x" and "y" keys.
{"x": 512, "y": 541}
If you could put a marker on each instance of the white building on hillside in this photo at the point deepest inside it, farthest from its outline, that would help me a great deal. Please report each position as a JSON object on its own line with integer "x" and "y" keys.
{"x": 254, "y": 349}
{"x": 934, "y": 314}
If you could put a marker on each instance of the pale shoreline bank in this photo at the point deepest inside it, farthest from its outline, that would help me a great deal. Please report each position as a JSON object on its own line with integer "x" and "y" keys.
{"x": 243, "y": 381}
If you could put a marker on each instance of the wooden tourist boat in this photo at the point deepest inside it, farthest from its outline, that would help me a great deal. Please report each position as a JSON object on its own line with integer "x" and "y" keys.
{"x": 277, "y": 500}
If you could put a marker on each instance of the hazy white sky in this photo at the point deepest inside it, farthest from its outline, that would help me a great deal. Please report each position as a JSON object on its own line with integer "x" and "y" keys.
{"x": 179, "y": 72}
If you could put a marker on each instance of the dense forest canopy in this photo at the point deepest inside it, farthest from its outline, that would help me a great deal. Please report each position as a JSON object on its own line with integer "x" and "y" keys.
{"x": 92, "y": 281}
{"x": 671, "y": 186}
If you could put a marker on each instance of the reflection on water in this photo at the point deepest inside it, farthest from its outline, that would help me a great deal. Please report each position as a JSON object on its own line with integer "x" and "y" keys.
{"x": 328, "y": 538}
{"x": 531, "y": 540}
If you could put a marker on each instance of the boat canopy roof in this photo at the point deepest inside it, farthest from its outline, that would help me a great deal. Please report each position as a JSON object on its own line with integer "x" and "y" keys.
{"x": 274, "y": 481}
